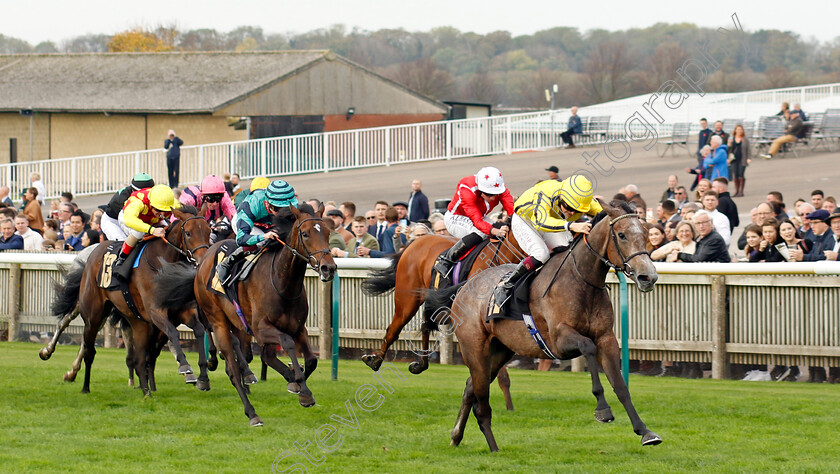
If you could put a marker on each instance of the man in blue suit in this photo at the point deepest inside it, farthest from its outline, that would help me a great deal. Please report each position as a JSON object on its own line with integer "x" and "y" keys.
{"x": 418, "y": 203}
{"x": 574, "y": 127}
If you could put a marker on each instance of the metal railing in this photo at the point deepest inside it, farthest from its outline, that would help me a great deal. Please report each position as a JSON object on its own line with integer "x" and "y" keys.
{"x": 385, "y": 146}
{"x": 766, "y": 313}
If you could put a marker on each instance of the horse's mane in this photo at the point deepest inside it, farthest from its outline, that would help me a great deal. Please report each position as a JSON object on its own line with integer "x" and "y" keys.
{"x": 188, "y": 209}
{"x": 615, "y": 203}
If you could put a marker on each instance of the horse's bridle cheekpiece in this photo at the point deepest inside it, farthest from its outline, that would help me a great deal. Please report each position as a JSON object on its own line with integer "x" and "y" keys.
{"x": 188, "y": 253}
{"x": 625, "y": 268}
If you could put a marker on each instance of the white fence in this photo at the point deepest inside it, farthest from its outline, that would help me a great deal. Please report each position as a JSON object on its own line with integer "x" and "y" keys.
{"x": 785, "y": 313}
{"x": 385, "y": 146}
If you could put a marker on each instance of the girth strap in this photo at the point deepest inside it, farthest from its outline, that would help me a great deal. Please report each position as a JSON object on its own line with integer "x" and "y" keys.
{"x": 535, "y": 334}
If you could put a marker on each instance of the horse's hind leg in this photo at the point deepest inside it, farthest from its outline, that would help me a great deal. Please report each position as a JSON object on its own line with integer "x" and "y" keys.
{"x": 199, "y": 331}
{"x": 46, "y": 352}
{"x": 268, "y": 354}
{"x": 570, "y": 341}
{"x": 144, "y": 342}
{"x": 92, "y": 328}
{"x": 467, "y": 403}
{"x": 70, "y": 375}
{"x": 161, "y": 320}
{"x": 420, "y": 365}
{"x": 504, "y": 384}
{"x": 608, "y": 354}
{"x": 128, "y": 339}
{"x": 222, "y": 332}
{"x": 406, "y": 304}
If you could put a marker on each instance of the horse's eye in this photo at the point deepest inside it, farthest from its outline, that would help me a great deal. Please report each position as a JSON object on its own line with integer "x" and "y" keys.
{"x": 305, "y": 234}
{"x": 188, "y": 234}
{"x": 621, "y": 235}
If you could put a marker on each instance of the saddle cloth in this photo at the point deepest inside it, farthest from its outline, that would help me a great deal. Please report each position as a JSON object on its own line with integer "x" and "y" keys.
{"x": 106, "y": 278}
{"x": 225, "y": 249}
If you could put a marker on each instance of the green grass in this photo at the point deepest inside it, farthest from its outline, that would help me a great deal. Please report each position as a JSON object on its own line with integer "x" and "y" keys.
{"x": 706, "y": 425}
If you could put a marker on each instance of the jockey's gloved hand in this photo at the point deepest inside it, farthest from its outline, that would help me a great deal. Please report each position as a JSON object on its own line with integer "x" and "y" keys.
{"x": 500, "y": 224}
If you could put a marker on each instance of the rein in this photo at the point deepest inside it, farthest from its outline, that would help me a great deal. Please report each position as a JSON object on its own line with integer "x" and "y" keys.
{"x": 189, "y": 253}
{"x": 310, "y": 256}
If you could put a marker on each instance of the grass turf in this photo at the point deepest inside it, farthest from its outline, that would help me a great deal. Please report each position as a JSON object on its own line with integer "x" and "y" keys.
{"x": 706, "y": 425}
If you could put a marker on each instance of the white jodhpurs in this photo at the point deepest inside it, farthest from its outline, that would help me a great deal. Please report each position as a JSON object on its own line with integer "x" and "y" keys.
{"x": 134, "y": 233}
{"x": 111, "y": 228}
{"x": 461, "y": 226}
{"x": 536, "y": 243}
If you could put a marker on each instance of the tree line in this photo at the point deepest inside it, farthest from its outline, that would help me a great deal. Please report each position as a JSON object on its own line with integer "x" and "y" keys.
{"x": 512, "y": 71}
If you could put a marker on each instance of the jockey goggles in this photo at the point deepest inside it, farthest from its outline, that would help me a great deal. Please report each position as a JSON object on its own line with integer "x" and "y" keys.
{"x": 213, "y": 198}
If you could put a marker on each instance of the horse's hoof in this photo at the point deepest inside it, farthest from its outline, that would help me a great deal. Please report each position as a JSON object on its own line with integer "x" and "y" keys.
{"x": 417, "y": 368}
{"x": 256, "y": 421}
{"x": 190, "y": 378}
{"x": 306, "y": 401}
{"x": 69, "y": 377}
{"x": 212, "y": 364}
{"x": 44, "y": 354}
{"x": 373, "y": 361}
{"x": 185, "y": 369}
{"x": 85, "y": 390}
{"x": 293, "y": 387}
{"x": 651, "y": 439}
{"x": 203, "y": 385}
{"x": 250, "y": 379}
{"x": 605, "y": 415}
{"x": 130, "y": 383}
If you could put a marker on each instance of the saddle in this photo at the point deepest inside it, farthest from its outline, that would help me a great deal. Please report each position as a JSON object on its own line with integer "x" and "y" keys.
{"x": 518, "y": 304}
{"x": 240, "y": 270}
{"x": 108, "y": 278}
{"x": 462, "y": 269}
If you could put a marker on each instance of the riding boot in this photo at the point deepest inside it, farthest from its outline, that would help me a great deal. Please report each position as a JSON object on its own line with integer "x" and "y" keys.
{"x": 447, "y": 259}
{"x": 741, "y": 182}
{"x": 120, "y": 260}
{"x": 223, "y": 268}
{"x": 502, "y": 291}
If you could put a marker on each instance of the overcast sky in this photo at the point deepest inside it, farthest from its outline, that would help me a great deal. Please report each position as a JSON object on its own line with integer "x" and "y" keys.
{"x": 57, "y": 20}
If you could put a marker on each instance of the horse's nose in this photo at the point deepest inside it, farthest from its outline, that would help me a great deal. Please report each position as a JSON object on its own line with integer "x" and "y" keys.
{"x": 646, "y": 281}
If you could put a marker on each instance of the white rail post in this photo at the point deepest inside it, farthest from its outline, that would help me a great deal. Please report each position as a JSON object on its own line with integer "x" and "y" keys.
{"x": 509, "y": 135}
{"x": 201, "y": 162}
{"x": 73, "y": 166}
{"x": 263, "y": 158}
{"x": 719, "y": 356}
{"x": 326, "y": 153}
{"x": 294, "y": 155}
{"x": 356, "y": 148}
{"x": 448, "y": 140}
{"x": 417, "y": 143}
{"x": 387, "y": 147}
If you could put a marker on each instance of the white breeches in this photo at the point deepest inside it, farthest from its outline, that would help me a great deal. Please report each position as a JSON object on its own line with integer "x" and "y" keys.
{"x": 461, "y": 226}
{"x": 134, "y": 233}
{"x": 111, "y": 228}
{"x": 536, "y": 243}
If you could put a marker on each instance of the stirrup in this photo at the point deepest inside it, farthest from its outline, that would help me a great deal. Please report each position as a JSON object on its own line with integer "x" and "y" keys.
{"x": 444, "y": 266}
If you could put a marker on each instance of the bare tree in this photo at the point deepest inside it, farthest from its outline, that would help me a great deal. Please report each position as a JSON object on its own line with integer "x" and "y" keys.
{"x": 662, "y": 66}
{"x": 423, "y": 76}
{"x": 481, "y": 88}
{"x": 605, "y": 69}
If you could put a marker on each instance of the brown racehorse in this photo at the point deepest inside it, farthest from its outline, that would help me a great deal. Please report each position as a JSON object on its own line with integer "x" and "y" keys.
{"x": 188, "y": 237}
{"x": 273, "y": 302}
{"x": 571, "y": 309}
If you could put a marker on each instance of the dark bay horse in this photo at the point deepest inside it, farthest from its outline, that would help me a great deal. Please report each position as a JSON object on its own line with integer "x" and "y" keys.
{"x": 571, "y": 309}
{"x": 273, "y": 302}
{"x": 188, "y": 237}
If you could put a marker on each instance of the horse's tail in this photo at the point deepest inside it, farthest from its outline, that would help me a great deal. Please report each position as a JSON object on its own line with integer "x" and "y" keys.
{"x": 67, "y": 291}
{"x": 382, "y": 281}
{"x": 175, "y": 285}
{"x": 438, "y": 306}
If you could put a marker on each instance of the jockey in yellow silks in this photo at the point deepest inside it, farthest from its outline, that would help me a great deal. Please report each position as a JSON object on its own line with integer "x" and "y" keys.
{"x": 544, "y": 218}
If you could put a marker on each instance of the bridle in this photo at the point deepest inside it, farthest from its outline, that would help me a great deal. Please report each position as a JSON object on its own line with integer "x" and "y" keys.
{"x": 310, "y": 257}
{"x": 188, "y": 253}
{"x": 625, "y": 267}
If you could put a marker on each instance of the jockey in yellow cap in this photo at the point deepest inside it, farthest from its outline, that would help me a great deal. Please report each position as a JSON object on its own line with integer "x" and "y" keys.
{"x": 544, "y": 218}
{"x": 142, "y": 210}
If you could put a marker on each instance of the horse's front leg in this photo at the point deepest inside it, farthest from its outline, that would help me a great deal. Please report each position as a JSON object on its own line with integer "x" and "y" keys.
{"x": 570, "y": 343}
{"x": 161, "y": 320}
{"x": 608, "y": 355}
{"x": 46, "y": 352}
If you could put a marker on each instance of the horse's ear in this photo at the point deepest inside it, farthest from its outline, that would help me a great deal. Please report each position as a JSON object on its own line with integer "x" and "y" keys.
{"x": 606, "y": 206}
{"x": 203, "y": 210}
{"x": 178, "y": 213}
{"x": 320, "y": 211}
{"x": 295, "y": 212}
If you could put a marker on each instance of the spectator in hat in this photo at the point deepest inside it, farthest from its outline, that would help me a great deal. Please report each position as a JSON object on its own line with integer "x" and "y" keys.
{"x": 418, "y": 203}
{"x": 552, "y": 173}
{"x": 832, "y": 248}
{"x": 338, "y": 218}
{"x": 402, "y": 212}
{"x": 823, "y": 237}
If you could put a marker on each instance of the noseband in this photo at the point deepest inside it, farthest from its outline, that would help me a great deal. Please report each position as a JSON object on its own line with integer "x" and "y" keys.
{"x": 188, "y": 253}
{"x": 625, "y": 267}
